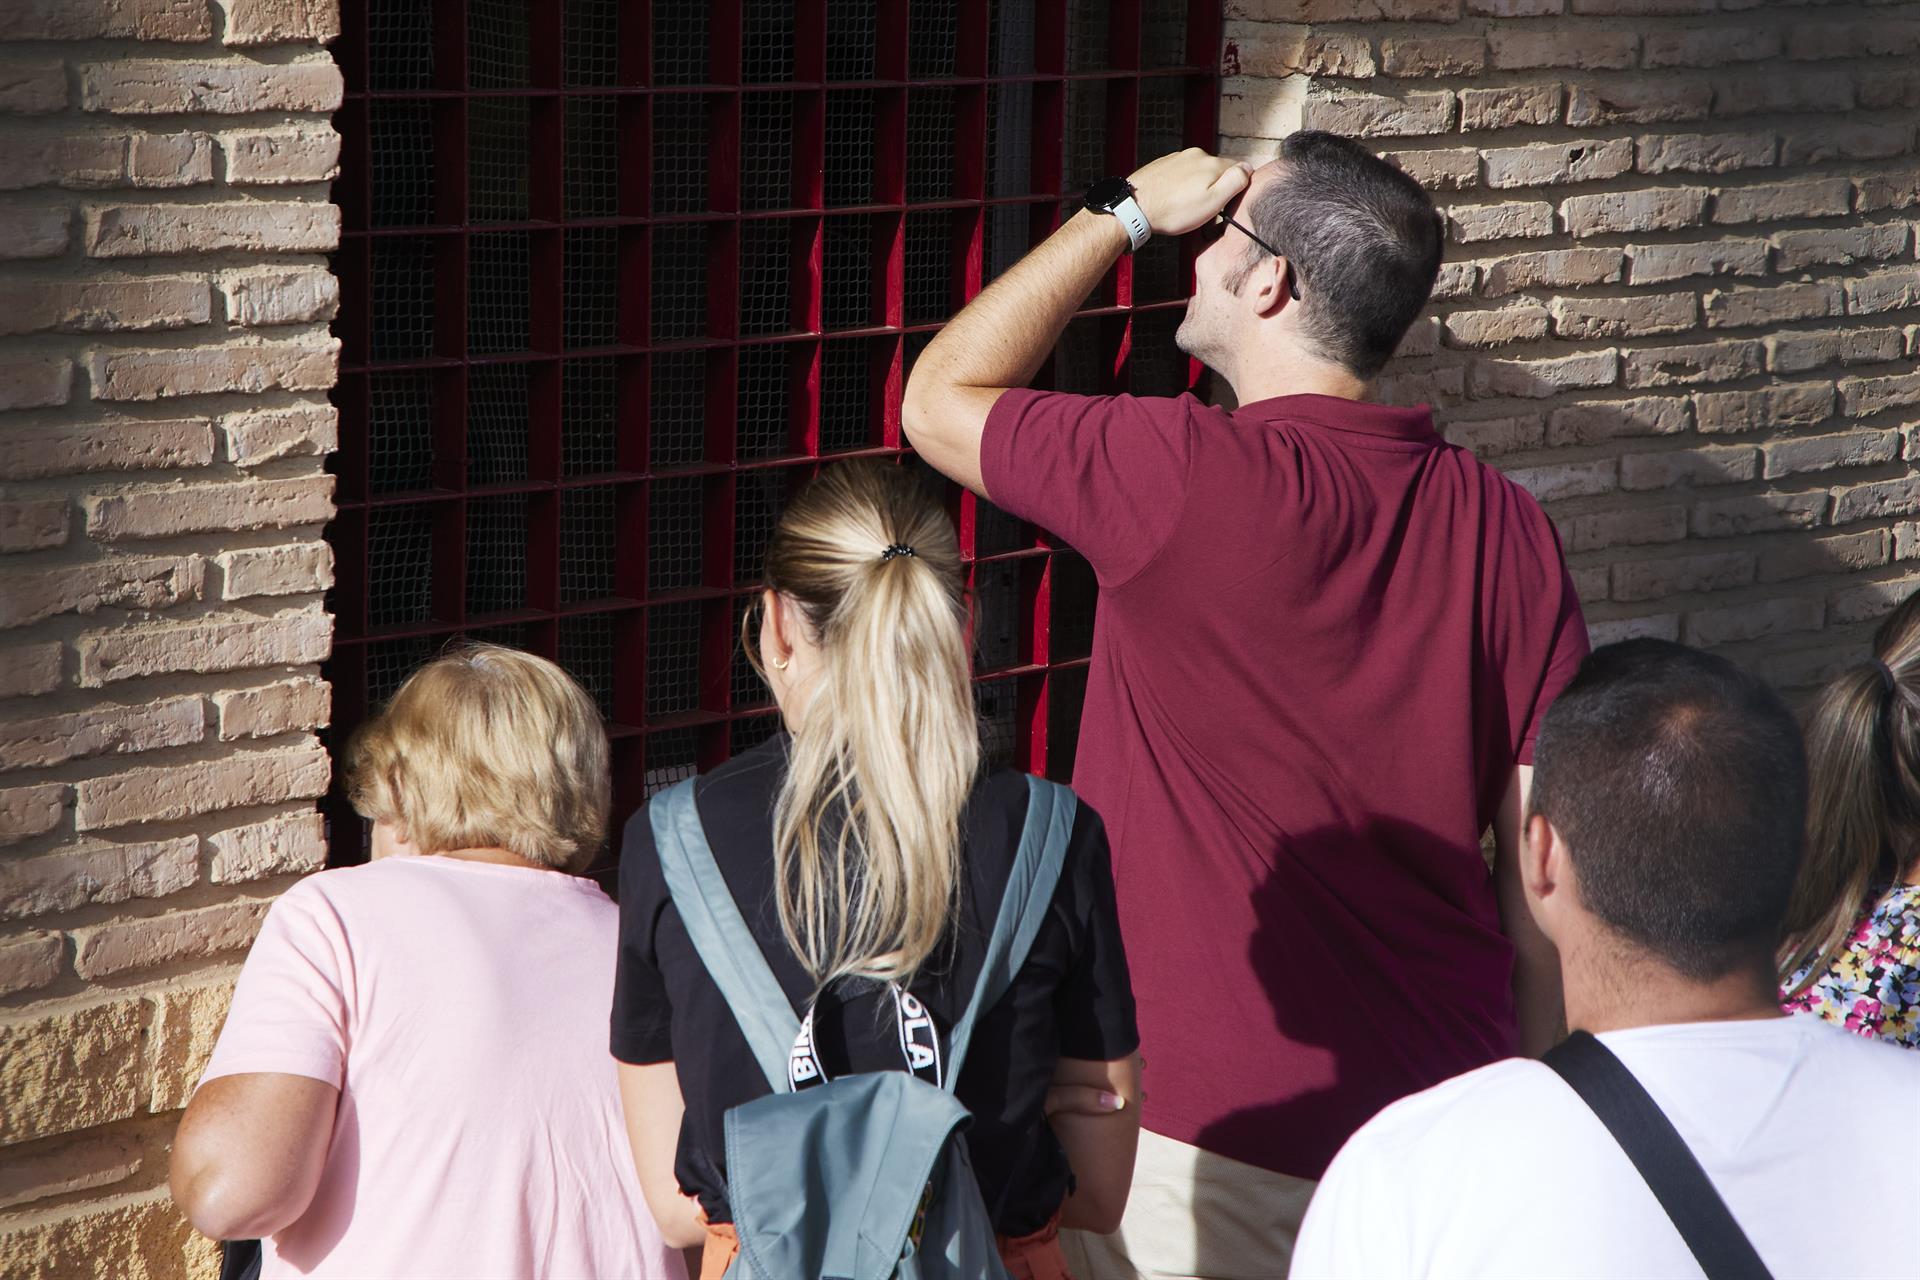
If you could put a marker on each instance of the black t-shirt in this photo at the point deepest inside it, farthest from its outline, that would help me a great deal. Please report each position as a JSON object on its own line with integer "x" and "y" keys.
{"x": 1071, "y": 999}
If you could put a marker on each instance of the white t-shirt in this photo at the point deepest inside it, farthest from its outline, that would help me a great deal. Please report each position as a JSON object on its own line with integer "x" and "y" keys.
{"x": 1810, "y": 1135}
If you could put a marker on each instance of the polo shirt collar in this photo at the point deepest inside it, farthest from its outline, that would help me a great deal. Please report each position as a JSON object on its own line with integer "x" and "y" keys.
{"x": 1386, "y": 421}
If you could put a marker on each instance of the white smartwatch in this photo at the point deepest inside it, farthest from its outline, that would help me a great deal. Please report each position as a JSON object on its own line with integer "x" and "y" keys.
{"x": 1115, "y": 196}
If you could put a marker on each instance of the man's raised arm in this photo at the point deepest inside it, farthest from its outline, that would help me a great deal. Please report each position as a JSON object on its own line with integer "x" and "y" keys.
{"x": 1001, "y": 338}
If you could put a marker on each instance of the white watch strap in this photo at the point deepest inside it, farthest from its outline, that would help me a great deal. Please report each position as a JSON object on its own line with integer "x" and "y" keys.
{"x": 1138, "y": 232}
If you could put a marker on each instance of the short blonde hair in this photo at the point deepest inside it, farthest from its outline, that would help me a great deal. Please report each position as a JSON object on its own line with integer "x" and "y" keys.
{"x": 487, "y": 747}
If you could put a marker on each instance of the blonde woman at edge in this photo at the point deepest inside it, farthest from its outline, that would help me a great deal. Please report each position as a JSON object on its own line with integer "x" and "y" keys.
{"x": 412, "y": 1079}
{"x": 862, "y": 638}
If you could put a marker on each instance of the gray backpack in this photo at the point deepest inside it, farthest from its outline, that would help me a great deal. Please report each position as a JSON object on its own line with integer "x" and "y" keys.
{"x": 863, "y": 1177}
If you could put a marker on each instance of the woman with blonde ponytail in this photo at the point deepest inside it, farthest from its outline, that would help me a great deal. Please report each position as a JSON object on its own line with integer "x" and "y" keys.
{"x": 1853, "y": 952}
{"x": 867, "y": 850}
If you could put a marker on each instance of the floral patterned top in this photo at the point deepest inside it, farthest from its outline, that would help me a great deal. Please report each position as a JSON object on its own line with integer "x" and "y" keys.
{"x": 1872, "y": 987}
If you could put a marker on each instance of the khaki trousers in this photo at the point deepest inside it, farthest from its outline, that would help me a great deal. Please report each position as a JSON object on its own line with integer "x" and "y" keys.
{"x": 1193, "y": 1215}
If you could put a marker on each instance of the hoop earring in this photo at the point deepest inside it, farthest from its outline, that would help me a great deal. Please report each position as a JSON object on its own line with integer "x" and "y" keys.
{"x": 782, "y": 664}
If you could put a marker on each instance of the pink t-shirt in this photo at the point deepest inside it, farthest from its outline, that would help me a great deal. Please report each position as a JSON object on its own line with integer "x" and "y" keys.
{"x": 461, "y": 1009}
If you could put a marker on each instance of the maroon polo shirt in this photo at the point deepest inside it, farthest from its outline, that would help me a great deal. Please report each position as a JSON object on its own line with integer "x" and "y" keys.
{"x": 1324, "y": 638}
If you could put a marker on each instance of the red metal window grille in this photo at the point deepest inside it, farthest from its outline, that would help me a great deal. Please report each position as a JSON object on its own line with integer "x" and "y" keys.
{"x": 617, "y": 275}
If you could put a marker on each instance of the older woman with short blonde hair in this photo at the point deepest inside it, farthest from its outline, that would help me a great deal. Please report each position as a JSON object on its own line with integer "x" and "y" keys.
{"x": 413, "y": 1078}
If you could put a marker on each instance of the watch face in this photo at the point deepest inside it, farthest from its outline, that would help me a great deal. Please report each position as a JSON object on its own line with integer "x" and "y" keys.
{"x": 1108, "y": 192}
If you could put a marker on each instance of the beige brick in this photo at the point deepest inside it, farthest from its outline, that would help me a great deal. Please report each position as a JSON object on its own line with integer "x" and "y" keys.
{"x": 280, "y": 297}
{"x": 1758, "y": 513}
{"x": 169, "y": 792}
{"x": 1515, "y": 8}
{"x": 45, "y": 158}
{"x": 35, "y": 382}
{"x": 1509, "y": 106}
{"x": 1779, "y": 201}
{"x": 218, "y": 644}
{"x": 1492, "y": 437}
{"x": 1892, "y": 290}
{"x": 34, "y": 524}
{"x": 186, "y": 1025}
{"x": 102, "y": 730}
{"x": 1512, "y": 48}
{"x": 302, "y": 430}
{"x": 281, "y": 707}
{"x": 1804, "y": 669}
{"x": 1748, "y": 308}
{"x": 1552, "y": 269}
{"x": 1420, "y": 382}
{"x": 1369, "y": 115}
{"x": 1344, "y": 10}
{"x": 1519, "y": 322}
{"x": 1868, "y": 601}
{"x": 252, "y": 22}
{"x": 1837, "y": 246}
{"x": 1860, "y": 397}
{"x": 71, "y": 1069}
{"x": 28, "y": 595}
{"x": 31, "y": 811}
{"x": 1720, "y": 361}
{"x": 1439, "y": 169}
{"x": 1658, "y": 100}
{"x": 60, "y": 1168}
{"x": 1715, "y": 46}
{"x": 1553, "y": 163}
{"x": 97, "y": 873}
{"x": 1770, "y": 92}
{"x": 1640, "y": 8}
{"x": 263, "y": 226}
{"x": 163, "y": 512}
{"x": 1455, "y": 281}
{"x": 1664, "y": 209}
{"x": 1636, "y": 581}
{"x": 1832, "y": 39}
{"x": 1590, "y": 583}
{"x": 1876, "y": 500}
{"x": 1769, "y": 408}
{"x": 1906, "y": 540}
{"x": 1632, "y": 527}
{"x": 35, "y": 232}
{"x": 106, "y": 306}
{"x": 33, "y": 88}
{"x": 1706, "y": 152}
{"x": 280, "y": 157}
{"x": 1262, "y": 108}
{"x": 1422, "y": 339}
{"x": 1888, "y": 90}
{"x": 1656, "y": 263}
{"x": 1797, "y": 352}
{"x": 129, "y": 444}
{"x": 1844, "y": 142}
{"x": 1560, "y": 480}
{"x": 1518, "y": 219}
{"x": 1615, "y": 419}
{"x": 286, "y": 845}
{"x": 1823, "y": 453}
{"x": 1265, "y": 49}
{"x": 251, "y": 367}
{"x": 1757, "y": 620}
{"x": 1433, "y": 55}
{"x": 299, "y": 569}
{"x": 168, "y": 160}
{"x": 1544, "y": 377}
{"x": 27, "y": 670}
{"x": 1640, "y": 316}
{"x": 27, "y": 963}
{"x": 171, "y": 20}
{"x": 100, "y": 951}
{"x": 137, "y": 1236}
{"x": 1707, "y": 465}
{"x": 138, "y": 86}
{"x": 1890, "y": 190}
{"x": 1798, "y": 557}
{"x": 1660, "y": 626}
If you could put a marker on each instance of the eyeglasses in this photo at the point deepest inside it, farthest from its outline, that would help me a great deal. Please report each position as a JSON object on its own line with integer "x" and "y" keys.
{"x": 1293, "y": 279}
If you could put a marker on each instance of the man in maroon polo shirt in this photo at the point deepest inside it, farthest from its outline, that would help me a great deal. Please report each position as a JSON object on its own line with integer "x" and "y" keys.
{"x": 1324, "y": 640}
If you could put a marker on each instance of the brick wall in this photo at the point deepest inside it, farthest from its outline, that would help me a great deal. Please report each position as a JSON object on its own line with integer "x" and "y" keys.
{"x": 1681, "y": 296}
{"x": 164, "y": 363}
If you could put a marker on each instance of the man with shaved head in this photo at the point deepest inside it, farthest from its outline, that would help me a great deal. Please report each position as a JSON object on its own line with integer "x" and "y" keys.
{"x": 1324, "y": 641}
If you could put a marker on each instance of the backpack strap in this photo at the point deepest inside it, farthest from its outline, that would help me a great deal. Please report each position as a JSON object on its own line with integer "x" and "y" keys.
{"x": 1661, "y": 1155}
{"x": 1023, "y": 908}
{"x": 726, "y": 946}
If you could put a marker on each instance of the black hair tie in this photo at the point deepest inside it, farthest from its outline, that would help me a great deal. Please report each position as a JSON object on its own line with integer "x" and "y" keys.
{"x": 898, "y": 549}
{"x": 1888, "y": 684}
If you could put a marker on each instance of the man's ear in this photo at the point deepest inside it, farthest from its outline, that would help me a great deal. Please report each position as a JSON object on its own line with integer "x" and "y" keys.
{"x": 1542, "y": 858}
{"x": 1266, "y": 287}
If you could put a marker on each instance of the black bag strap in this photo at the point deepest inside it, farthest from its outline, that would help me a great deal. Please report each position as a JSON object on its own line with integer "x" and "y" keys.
{"x": 1661, "y": 1155}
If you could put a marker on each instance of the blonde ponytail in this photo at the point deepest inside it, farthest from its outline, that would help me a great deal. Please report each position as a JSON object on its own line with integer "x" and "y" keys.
{"x": 1863, "y": 806}
{"x": 886, "y": 745}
